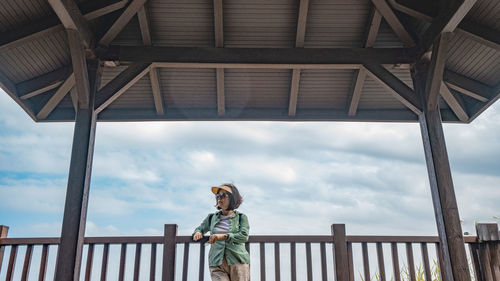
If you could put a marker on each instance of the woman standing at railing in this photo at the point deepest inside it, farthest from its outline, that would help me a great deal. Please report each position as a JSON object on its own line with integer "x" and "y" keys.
{"x": 228, "y": 257}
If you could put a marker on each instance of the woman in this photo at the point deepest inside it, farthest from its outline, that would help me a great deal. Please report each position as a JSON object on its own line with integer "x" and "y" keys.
{"x": 228, "y": 258}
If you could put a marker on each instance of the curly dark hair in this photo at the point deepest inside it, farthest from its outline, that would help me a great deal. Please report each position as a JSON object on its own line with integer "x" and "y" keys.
{"x": 235, "y": 198}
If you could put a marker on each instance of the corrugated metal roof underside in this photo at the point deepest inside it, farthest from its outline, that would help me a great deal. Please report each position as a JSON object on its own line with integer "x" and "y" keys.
{"x": 18, "y": 13}
{"x": 326, "y": 89}
{"x": 486, "y": 12}
{"x": 260, "y": 23}
{"x": 375, "y": 96}
{"x": 264, "y": 88}
{"x": 182, "y": 23}
{"x": 474, "y": 60}
{"x": 188, "y": 88}
{"x": 386, "y": 38}
{"x": 337, "y": 24}
{"x": 37, "y": 57}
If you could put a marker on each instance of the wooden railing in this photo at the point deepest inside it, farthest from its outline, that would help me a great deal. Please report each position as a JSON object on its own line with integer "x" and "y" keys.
{"x": 351, "y": 257}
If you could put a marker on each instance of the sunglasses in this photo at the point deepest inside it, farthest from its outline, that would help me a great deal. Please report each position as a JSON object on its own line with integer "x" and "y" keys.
{"x": 221, "y": 195}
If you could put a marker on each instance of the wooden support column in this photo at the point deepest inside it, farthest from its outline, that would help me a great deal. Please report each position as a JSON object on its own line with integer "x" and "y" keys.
{"x": 75, "y": 209}
{"x": 340, "y": 252}
{"x": 451, "y": 242}
{"x": 488, "y": 251}
{"x": 3, "y": 234}
{"x": 169, "y": 249}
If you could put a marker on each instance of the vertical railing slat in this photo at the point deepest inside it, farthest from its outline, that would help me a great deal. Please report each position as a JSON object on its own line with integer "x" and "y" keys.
{"x": 293, "y": 261}
{"x": 27, "y": 262}
{"x": 380, "y": 259}
{"x": 277, "y": 265}
{"x": 4, "y": 230}
{"x": 123, "y": 257}
{"x": 366, "y": 264}
{"x": 309, "y": 261}
{"x": 473, "y": 248}
{"x": 350, "y": 261}
{"x": 409, "y": 258}
{"x": 152, "y": 266}
{"x": 262, "y": 261}
{"x": 43, "y": 263}
{"x": 185, "y": 261}
{"x": 12, "y": 263}
{"x": 104, "y": 265}
{"x": 440, "y": 262}
{"x": 395, "y": 261}
{"x": 201, "y": 274}
{"x": 137, "y": 264}
{"x": 90, "y": 257}
{"x": 322, "y": 247}
{"x": 425, "y": 257}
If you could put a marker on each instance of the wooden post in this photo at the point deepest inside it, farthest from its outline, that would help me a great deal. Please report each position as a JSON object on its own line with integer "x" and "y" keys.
{"x": 75, "y": 210}
{"x": 169, "y": 249}
{"x": 340, "y": 252}
{"x": 489, "y": 251}
{"x": 4, "y": 230}
{"x": 451, "y": 242}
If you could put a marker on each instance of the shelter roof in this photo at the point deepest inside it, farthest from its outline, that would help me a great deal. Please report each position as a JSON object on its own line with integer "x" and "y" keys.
{"x": 251, "y": 60}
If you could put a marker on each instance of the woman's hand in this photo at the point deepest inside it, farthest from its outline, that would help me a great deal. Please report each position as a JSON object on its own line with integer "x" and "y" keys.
{"x": 197, "y": 236}
{"x": 214, "y": 237}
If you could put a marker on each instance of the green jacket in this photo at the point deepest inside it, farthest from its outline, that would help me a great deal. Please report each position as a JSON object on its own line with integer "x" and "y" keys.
{"x": 234, "y": 246}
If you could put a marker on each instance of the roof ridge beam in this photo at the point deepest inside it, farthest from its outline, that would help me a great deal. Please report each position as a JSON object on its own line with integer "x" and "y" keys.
{"x": 57, "y": 97}
{"x": 122, "y": 82}
{"x": 397, "y": 88}
{"x": 446, "y": 21}
{"x": 393, "y": 21}
{"x": 121, "y": 22}
{"x": 455, "y": 102}
{"x": 371, "y": 36}
{"x": 68, "y": 12}
{"x": 90, "y": 10}
{"x": 263, "y": 56}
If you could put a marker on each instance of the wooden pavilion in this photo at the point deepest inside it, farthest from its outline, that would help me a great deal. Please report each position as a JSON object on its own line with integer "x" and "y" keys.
{"x": 284, "y": 60}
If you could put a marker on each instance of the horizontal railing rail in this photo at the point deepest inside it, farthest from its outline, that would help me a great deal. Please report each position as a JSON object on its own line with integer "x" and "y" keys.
{"x": 366, "y": 256}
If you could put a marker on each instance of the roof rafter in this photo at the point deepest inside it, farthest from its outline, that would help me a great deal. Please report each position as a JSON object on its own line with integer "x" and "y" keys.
{"x": 480, "y": 33}
{"x": 79, "y": 63}
{"x": 41, "y": 84}
{"x": 90, "y": 11}
{"x": 294, "y": 92}
{"x": 10, "y": 88}
{"x": 455, "y": 102}
{"x": 116, "y": 87}
{"x": 436, "y": 69}
{"x": 372, "y": 31}
{"x": 468, "y": 86}
{"x": 57, "y": 97}
{"x": 393, "y": 21}
{"x": 68, "y": 12}
{"x": 219, "y": 43}
{"x": 309, "y": 56}
{"x": 446, "y": 21}
{"x": 397, "y": 87}
{"x": 122, "y": 21}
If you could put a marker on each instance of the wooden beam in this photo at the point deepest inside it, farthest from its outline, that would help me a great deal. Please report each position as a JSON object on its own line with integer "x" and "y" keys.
{"x": 318, "y": 56}
{"x": 395, "y": 86}
{"x": 371, "y": 35}
{"x": 468, "y": 86}
{"x": 356, "y": 93}
{"x": 116, "y": 87}
{"x": 436, "y": 69}
{"x": 144, "y": 24}
{"x": 483, "y": 34}
{"x": 393, "y": 21}
{"x": 41, "y": 90}
{"x": 253, "y": 65}
{"x": 155, "y": 86}
{"x": 219, "y": 24}
{"x": 294, "y": 92}
{"x": 90, "y": 10}
{"x": 221, "y": 97}
{"x": 301, "y": 23}
{"x": 71, "y": 17}
{"x": 455, "y": 102}
{"x": 79, "y": 67}
{"x": 43, "y": 83}
{"x": 57, "y": 97}
{"x": 446, "y": 21}
{"x": 121, "y": 22}
{"x": 74, "y": 98}
{"x": 75, "y": 209}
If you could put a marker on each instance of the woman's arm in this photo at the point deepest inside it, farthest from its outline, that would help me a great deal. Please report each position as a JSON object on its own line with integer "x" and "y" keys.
{"x": 242, "y": 235}
{"x": 204, "y": 226}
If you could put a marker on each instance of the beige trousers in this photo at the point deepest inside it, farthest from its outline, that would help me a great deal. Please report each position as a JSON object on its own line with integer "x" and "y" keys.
{"x": 233, "y": 272}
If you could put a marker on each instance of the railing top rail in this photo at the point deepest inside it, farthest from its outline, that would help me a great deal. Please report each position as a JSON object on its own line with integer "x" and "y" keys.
{"x": 252, "y": 239}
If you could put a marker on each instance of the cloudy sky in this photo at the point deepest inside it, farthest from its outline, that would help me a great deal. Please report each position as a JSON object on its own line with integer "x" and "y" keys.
{"x": 296, "y": 178}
